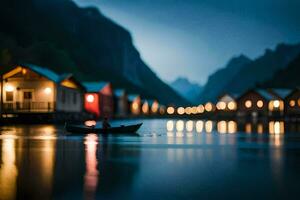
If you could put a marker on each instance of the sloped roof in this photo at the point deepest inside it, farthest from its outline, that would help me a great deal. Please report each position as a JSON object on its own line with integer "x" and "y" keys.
{"x": 132, "y": 97}
{"x": 282, "y": 93}
{"x": 119, "y": 92}
{"x": 94, "y": 86}
{"x": 49, "y": 74}
{"x": 266, "y": 94}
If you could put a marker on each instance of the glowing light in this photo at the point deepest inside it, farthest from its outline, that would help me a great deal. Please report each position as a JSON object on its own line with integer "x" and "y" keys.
{"x": 276, "y": 104}
{"x": 9, "y": 88}
{"x": 47, "y": 90}
{"x": 248, "y": 128}
{"x": 221, "y": 105}
{"x": 260, "y": 103}
{"x": 145, "y": 108}
{"x": 231, "y": 105}
{"x": 90, "y": 98}
{"x": 298, "y": 102}
{"x": 260, "y": 128}
{"x": 248, "y": 104}
{"x": 180, "y": 110}
{"x": 276, "y": 127}
{"x": 154, "y": 107}
{"x": 90, "y": 123}
{"x": 208, "y": 126}
{"x": 170, "y": 125}
{"x": 232, "y": 127}
{"x": 292, "y": 103}
{"x": 199, "y": 126}
{"x": 188, "y": 110}
{"x": 189, "y": 126}
{"x": 200, "y": 109}
{"x": 194, "y": 110}
{"x": 179, "y": 125}
{"x": 208, "y": 107}
{"x": 24, "y": 71}
{"x": 170, "y": 110}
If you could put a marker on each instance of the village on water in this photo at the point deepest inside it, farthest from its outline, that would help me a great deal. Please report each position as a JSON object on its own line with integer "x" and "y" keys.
{"x": 42, "y": 94}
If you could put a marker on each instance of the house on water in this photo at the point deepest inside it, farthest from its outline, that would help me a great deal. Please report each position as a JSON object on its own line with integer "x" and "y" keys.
{"x": 99, "y": 99}
{"x": 120, "y": 102}
{"x": 292, "y": 103}
{"x": 33, "y": 89}
{"x": 259, "y": 102}
{"x": 134, "y": 104}
{"x": 226, "y": 105}
{"x": 278, "y": 105}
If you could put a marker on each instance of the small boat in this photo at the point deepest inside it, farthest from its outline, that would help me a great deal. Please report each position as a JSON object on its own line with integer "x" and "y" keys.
{"x": 92, "y": 129}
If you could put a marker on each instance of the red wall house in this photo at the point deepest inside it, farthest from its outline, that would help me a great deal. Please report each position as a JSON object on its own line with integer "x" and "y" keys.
{"x": 99, "y": 99}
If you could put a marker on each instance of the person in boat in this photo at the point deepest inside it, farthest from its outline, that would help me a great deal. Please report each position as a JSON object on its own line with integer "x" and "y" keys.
{"x": 105, "y": 123}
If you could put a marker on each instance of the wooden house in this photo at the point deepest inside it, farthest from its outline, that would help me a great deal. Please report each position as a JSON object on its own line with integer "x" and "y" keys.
{"x": 226, "y": 105}
{"x": 33, "y": 89}
{"x": 99, "y": 99}
{"x": 278, "y": 105}
{"x": 292, "y": 103}
{"x": 257, "y": 103}
{"x": 120, "y": 102}
{"x": 134, "y": 104}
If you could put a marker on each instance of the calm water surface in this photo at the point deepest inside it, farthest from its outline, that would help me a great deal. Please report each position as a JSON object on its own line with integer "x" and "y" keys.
{"x": 170, "y": 159}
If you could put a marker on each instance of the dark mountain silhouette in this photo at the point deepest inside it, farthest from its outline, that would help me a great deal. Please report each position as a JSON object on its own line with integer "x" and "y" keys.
{"x": 217, "y": 81}
{"x": 60, "y": 35}
{"x": 288, "y": 77}
{"x": 190, "y": 91}
{"x": 263, "y": 68}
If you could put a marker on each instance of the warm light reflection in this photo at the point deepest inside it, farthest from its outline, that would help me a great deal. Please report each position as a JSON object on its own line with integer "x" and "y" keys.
{"x": 8, "y": 169}
{"x": 208, "y": 126}
{"x": 199, "y": 126}
{"x": 170, "y": 125}
{"x": 276, "y": 127}
{"x": 188, "y": 110}
{"x": 232, "y": 127}
{"x": 180, "y": 110}
{"x": 222, "y": 127}
{"x": 260, "y": 128}
{"x": 170, "y": 110}
{"x": 248, "y": 128}
{"x": 91, "y": 174}
{"x": 189, "y": 126}
{"x": 194, "y": 110}
{"x": 179, "y": 125}
{"x": 90, "y": 123}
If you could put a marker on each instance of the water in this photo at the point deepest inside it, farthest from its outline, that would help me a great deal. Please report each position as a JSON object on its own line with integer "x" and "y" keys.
{"x": 171, "y": 159}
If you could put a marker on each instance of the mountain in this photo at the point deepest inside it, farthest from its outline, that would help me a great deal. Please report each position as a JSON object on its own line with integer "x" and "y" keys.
{"x": 66, "y": 38}
{"x": 263, "y": 68}
{"x": 217, "y": 81}
{"x": 186, "y": 89}
{"x": 288, "y": 77}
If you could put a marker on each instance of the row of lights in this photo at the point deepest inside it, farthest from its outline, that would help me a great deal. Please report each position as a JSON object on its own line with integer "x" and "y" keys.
{"x": 10, "y": 88}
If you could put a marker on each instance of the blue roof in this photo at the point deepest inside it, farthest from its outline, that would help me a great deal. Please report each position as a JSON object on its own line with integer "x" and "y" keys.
{"x": 94, "y": 86}
{"x": 49, "y": 74}
{"x": 282, "y": 93}
{"x": 266, "y": 94}
{"x": 132, "y": 97}
{"x": 119, "y": 92}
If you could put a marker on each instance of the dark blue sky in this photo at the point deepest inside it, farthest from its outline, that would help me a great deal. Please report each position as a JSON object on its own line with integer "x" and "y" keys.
{"x": 193, "y": 38}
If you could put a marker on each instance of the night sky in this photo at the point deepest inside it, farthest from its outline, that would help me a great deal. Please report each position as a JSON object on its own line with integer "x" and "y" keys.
{"x": 193, "y": 38}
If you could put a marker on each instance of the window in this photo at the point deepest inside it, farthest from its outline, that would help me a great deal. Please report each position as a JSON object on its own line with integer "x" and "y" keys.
{"x": 27, "y": 95}
{"x": 248, "y": 104}
{"x": 9, "y": 96}
{"x": 74, "y": 98}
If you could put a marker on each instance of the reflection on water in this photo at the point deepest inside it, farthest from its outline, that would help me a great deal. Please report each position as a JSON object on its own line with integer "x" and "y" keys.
{"x": 91, "y": 174}
{"x": 41, "y": 162}
{"x": 8, "y": 169}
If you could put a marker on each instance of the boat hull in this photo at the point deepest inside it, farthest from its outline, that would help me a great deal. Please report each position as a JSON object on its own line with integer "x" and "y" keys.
{"x": 113, "y": 130}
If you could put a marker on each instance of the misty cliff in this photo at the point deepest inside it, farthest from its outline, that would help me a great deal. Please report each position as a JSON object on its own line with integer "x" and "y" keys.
{"x": 60, "y": 35}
